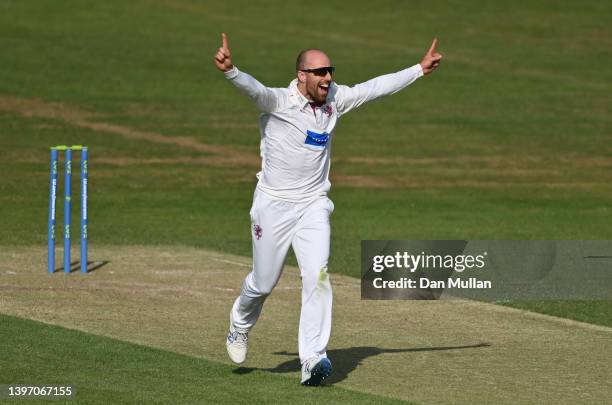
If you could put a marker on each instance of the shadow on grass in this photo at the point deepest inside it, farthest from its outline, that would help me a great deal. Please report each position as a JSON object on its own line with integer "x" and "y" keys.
{"x": 76, "y": 266}
{"x": 344, "y": 361}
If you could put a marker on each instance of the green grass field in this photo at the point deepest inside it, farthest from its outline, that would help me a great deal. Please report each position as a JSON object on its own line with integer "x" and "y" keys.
{"x": 112, "y": 371}
{"x": 510, "y": 139}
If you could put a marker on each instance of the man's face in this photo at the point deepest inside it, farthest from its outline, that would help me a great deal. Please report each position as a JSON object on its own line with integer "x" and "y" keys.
{"x": 316, "y": 75}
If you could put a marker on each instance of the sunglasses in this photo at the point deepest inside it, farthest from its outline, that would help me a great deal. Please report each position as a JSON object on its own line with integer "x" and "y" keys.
{"x": 322, "y": 71}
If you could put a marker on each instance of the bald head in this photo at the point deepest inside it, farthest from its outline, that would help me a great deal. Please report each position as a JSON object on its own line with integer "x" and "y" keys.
{"x": 312, "y": 58}
{"x": 314, "y": 75}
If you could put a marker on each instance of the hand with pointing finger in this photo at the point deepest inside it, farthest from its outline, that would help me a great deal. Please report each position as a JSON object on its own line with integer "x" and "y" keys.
{"x": 223, "y": 57}
{"x": 431, "y": 60}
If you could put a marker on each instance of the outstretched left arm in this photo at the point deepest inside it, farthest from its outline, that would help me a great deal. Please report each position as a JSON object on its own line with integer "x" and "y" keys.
{"x": 349, "y": 98}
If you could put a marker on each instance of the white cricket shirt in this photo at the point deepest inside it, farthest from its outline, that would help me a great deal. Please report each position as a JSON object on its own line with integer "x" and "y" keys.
{"x": 296, "y": 139}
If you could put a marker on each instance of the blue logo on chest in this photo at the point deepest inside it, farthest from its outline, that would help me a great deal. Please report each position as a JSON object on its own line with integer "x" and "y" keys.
{"x": 316, "y": 139}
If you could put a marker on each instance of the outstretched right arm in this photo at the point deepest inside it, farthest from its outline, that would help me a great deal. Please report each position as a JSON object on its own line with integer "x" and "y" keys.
{"x": 264, "y": 97}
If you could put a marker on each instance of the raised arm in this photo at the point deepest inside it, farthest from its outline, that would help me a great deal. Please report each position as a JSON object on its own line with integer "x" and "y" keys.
{"x": 349, "y": 98}
{"x": 265, "y": 98}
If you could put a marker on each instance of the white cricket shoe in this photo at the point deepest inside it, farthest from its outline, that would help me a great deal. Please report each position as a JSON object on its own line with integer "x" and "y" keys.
{"x": 315, "y": 370}
{"x": 237, "y": 345}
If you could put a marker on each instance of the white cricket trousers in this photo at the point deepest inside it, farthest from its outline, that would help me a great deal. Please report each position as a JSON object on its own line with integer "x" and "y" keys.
{"x": 276, "y": 225}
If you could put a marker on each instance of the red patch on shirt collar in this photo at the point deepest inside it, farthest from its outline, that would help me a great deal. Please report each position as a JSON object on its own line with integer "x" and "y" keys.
{"x": 326, "y": 108}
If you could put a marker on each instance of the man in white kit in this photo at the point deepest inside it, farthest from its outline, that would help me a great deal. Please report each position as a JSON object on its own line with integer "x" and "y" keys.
{"x": 290, "y": 204}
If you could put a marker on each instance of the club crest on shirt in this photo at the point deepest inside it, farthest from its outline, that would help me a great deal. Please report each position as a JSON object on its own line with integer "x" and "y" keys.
{"x": 328, "y": 109}
{"x": 257, "y": 231}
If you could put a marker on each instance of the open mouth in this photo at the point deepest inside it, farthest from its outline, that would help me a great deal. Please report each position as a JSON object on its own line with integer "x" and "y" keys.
{"x": 324, "y": 86}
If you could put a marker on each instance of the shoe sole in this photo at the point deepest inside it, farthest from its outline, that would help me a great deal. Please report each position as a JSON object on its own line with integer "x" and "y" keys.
{"x": 319, "y": 372}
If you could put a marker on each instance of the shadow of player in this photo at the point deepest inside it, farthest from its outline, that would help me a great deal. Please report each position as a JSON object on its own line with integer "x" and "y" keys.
{"x": 346, "y": 360}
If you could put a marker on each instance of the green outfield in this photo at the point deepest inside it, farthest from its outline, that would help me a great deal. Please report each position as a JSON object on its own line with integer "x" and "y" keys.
{"x": 509, "y": 139}
{"x": 113, "y": 371}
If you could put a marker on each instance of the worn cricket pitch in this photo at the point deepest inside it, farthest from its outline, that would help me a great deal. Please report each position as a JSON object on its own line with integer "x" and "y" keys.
{"x": 178, "y": 299}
